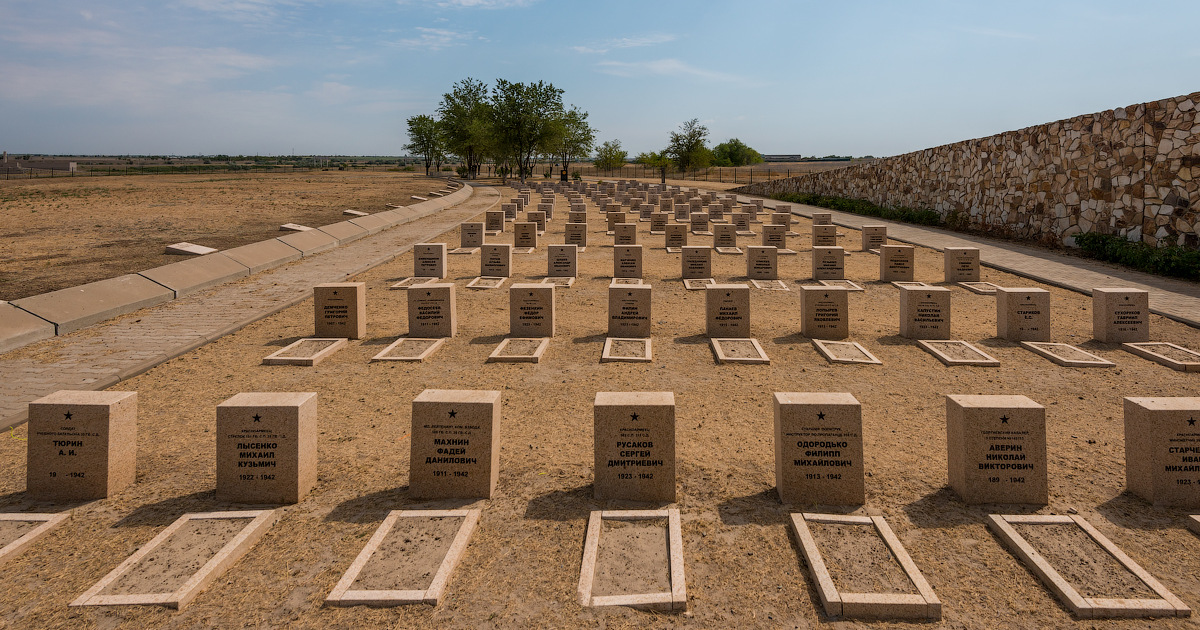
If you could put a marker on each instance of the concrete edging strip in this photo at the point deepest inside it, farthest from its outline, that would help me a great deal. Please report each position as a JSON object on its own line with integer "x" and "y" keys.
{"x": 196, "y": 274}
{"x": 309, "y": 242}
{"x": 264, "y": 254}
{"x": 19, "y": 328}
{"x": 76, "y": 307}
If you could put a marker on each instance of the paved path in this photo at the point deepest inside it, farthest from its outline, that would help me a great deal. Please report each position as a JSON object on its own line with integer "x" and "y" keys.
{"x": 1176, "y": 299}
{"x": 102, "y": 355}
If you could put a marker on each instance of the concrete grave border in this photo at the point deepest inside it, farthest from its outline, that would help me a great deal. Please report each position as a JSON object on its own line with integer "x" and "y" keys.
{"x": 341, "y": 595}
{"x": 1084, "y": 607}
{"x": 820, "y": 345}
{"x": 559, "y": 281}
{"x": 310, "y": 360}
{"x": 728, "y": 250}
{"x": 231, "y": 552}
{"x": 524, "y": 250}
{"x": 1042, "y": 348}
{"x": 1193, "y": 523}
{"x": 1140, "y": 349}
{"x": 980, "y": 287}
{"x": 930, "y": 346}
{"x": 16, "y": 547}
{"x": 922, "y": 605}
{"x": 412, "y": 281}
{"x": 909, "y": 283}
{"x": 535, "y": 357}
{"x": 847, "y": 284}
{"x": 464, "y": 250}
{"x": 185, "y": 248}
{"x": 675, "y": 599}
{"x": 697, "y": 284}
{"x": 606, "y": 355}
{"x": 724, "y": 358}
{"x": 624, "y": 281}
{"x": 475, "y": 284}
{"x": 437, "y": 343}
{"x": 770, "y": 285}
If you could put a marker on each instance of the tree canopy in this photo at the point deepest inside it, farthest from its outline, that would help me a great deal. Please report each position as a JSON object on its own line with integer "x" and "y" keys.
{"x": 734, "y": 152}
{"x": 687, "y": 148}
{"x": 425, "y": 139}
{"x": 610, "y": 156}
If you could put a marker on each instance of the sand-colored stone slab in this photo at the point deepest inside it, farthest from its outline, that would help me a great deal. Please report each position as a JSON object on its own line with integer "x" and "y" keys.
{"x": 264, "y": 254}
{"x": 727, "y": 310}
{"x": 188, "y": 249}
{"x": 845, "y": 352}
{"x": 531, "y": 310}
{"x": 42, "y": 524}
{"x": 1162, "y": 449}
{"x": 77, "y": 307}
{"x": 309, "y": 242}
{"x": 896, "y": 263}
{"x": 147, "y": 561}
{"x": 411, "y": 282}
{"x": 634, "y": 446}
{"x": 1173, "y": 356}
{"x": 845, "y": 284}
{"x": 996, "y": 449}
{"x": 82, "y": 445}
{"x": 487, "y": 282}
{"x": 627, "y": 350}
{"x": 344, "y": 231}
{"x": 306, "y": 352}
{"x": 409, "y": 349}
{"x": 925, "y": 312}
{"x": 455, "y": 449}
{"x": 359, "y": 213}
{"x": 819, "y": 448}
{"x": 674, "y": 599}
{"x": 20, "y": 328}
{"x": 629, "y": 310}
{"x": 982, "y": 288}
{"x": 432, "y": 310}
{"x": 266, "y": 447}
{"x": 1065, "y": 354}
{"x": 824, "y": 312}
{"x": 960, "y": 264}
{"x": 340, "y": 310}
{"x": 1120, "y": 315}
{"x": 957, "y": 352}
{"x": 373, "y": 223}
{"x": 740, "y": 350}
{"x": 196, "y": 274}
{"x": 1023, "y": 314}
{"x": 770, "y": 285}
{"x": 520, "y": 350}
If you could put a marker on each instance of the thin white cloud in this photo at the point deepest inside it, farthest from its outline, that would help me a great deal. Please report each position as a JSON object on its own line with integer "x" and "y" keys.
{"x": 993, "y": 32}
{"x": 473, "y": 4}
{"x": 625, "y": 42}
{"x": 241, "y": 10}
{"x": 664, "y": 68}
{"x": 433, "y": 39}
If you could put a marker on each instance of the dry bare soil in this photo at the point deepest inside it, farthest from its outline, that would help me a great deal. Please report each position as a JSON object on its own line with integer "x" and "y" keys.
{"x": 522, "y": 567}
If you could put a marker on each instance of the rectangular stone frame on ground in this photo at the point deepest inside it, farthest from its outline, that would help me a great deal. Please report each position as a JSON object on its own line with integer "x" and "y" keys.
{"x": 342, "y": 595}
{"x": 826, "y": 349}
{"x": 924, "y": 604}
{"x": 260, "y": 522}
{"x": 982, "y": 288}
{"x": 48, "y": 523}
{"x": 1153, "y": 350}
{"x": 723, "y": 357}
{"x": 607, "y": 355}
{"x": 431, "y": 346}
{"x": 1048, "y": 349}
{"x": 498, "y": 356}
{"x": 675, "y": 599}
{"x": 407, "y": 283}
{"x": 278, "y": 358}
{"x": 487, "y": 282}
{"x": 1085, "y": 607}
{"x": 1193, "y": 523}
{"x": 770, "y": 285}
{"x": 932, "y": 346}
{"x": 846, "y": 284}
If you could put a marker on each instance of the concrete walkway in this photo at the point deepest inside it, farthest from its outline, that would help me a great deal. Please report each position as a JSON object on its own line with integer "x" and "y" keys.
{"x": 104, "y": 354}
{"x": 1176, "y": 299}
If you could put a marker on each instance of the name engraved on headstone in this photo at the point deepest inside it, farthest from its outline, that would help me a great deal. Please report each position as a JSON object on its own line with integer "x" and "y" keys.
{"x": 455, "y": 451}
{"x": 819, "y": 449}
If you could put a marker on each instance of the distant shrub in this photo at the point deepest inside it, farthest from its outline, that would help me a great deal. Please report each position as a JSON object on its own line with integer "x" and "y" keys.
{"x": 408, "y": 169}
{"x": 577, "y": 175}
{"x": 863, "y": 207}
{"x": 1181, "y": 262}
{"x": 447, "y": 169}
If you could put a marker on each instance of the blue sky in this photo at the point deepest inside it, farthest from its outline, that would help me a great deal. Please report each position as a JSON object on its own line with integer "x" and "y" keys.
{"x": 340, "y": 77}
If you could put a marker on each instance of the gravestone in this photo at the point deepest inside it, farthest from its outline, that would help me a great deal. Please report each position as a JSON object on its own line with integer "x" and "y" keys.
{"x": 644, "y": 210}
{"x": 531, "y": 310}
{"x": 471, "y": 235}
{"x": 629, "y": 310}
{"x": 824, "y": 235}
{"x": 676, "y": 236}
{"x": 429, "y": 260}
{"x": 1023, "y": 314}
{"x": 699, "y": 223}
{"x": 762, "y": 263}
{"x": 1120, "y": 315}
{"x": 494, "y": 221}
{"x": 538, "y": 217}
{"x": 562, "y": 261}
{"x": 824, "y": 312}
{"x": 682, "y": 213}
{"x": 634, "y": 446}
{"x": 716, "y": 213}
{"x": 996, "y": 449}
{"x": 432, "y": 311}
{"x": 819, "y": 449}
{"x": 822, "y": 218}
{"x": 546, "y": 206}
{"x": 961, "y": 264}
{"x": 727, "y": 311}
{"x": 577, "y": 216}
{"x": 828, "y": 263}
{"x": 627, "y": 261}
{"x": 613, "y": 219}
{"x": 525, "y": 235}
{"x": 741, "y": 224}
{"x": 266, "y": 447}
{"x": 725, "y": 236}
{"x": 896, "y": 263}
{"x": 753, "y": 210}
{"x": 775, "y": 235}
{"x": 696, "y": 262}
{"x": 658, "y": 222}
{"x": 1162, "y": 450}
{"x": 495, "y": 260}
{"x": 625, "y": 234}
{"x": 925, "y": 312}
{"x": 81, "y": 445}
{"x": 454, "y": 451}
{"x": 510, "y": 211}
{"x": 340, "y": 310}
{"x": 576, "y": 234}
{"x": 873, "y": 237}
{"x": 781, "y": 218}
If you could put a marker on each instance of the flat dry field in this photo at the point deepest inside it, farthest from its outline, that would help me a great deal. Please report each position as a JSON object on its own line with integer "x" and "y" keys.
{"x": 522, "y": 567}
{"x": 68, "y": 231}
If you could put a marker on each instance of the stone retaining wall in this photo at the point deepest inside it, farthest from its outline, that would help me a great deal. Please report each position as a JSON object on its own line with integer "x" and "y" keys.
{"x": 1133, "y": 171}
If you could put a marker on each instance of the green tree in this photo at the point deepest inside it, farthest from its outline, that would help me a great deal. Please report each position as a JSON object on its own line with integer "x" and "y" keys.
{"x": 610, "y": 156}
{"x": 465, "y": 113}
{"x": 574, "y": 137}
{"x": 425, "y": 140}
{"x": 523, "y": 121}
{"x": 687, "y": 146}
{"x": 655, "y": 160}
{"x": 734, "y": 152}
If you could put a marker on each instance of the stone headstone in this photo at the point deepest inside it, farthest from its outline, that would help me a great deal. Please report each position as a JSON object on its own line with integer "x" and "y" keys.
{"x": 741, "y": 223}
{"x": 562, "y": 261}
{"x": 822, "y": 218}
{"x": 658, "y": 222}
{"x": 577, "y": 216}
{"x": 925, "y": 312}
{"x": 1120, "y": 315}
{"x": 538, "y": 217}
{"x": 613, "y": 219}
{"x": 495, "y": 260}
{"x": 774, "y": 235}
{"x": 266, "y": 447}
{"x": 896, "y": 263}
{"x": 454, "y": 451}
{"x": 629, "y": 310}
{"x": 727, "y": 311}
{"x": 682, "y": 213}
{"x": 429, "y": 260}
{"x": 828, "y": 263}
{"x": 510, "y": 211}
{"x": 716, "y": 212}
{"x": 1162, "y": 450}
{"x": 576, "y": 234}
{"x": 824, "y": 312}
{"x": 781, "y": 218}
{"x": 494, "y": 221}
{"x": 961, "y": 264}
{"x": 531, "y": 310}
{"x": 696, "y": 262}
{"x": 819, "y": 449}
{"x": 625, "y": 234}
{"x": 676, "y": 235}
{"x": 627, "y": 261}
{"x": 634, "y": 446}
{"x": 432, "y": 311}
{"x": 873, "y": 237}
{"x": 996, "y": 449}
{"x": 1022, "y": 314}
{"x": 762, "y": 263}
{"x": 81, "y": 445}
{"x": 824, "y": 235}
{"x": 340, "y": 310}
{"x": 547, "y": 207}
{"x": 699, "y": 222}
{"x": 525, "y": 235}
{"x": 471, "y": 235}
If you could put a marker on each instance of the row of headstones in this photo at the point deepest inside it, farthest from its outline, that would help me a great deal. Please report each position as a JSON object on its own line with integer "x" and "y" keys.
{"x": 83, "y": 445}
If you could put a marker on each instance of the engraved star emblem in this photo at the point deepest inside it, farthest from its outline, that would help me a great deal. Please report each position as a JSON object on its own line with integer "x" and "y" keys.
{"x": 428, "y": 293}
{"x": 453, "y": 413}
{"x": 820, "y": 415}
{"x": 633, "y": 416}
{"x": 67, "y": 415}
{"x": 1126, "y": 298}
{"x": 1028, "y": 297}
{"x": 1003, "y": 419}
{"x": 1191, "y": 422}
{"x": 257, "y": 418}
